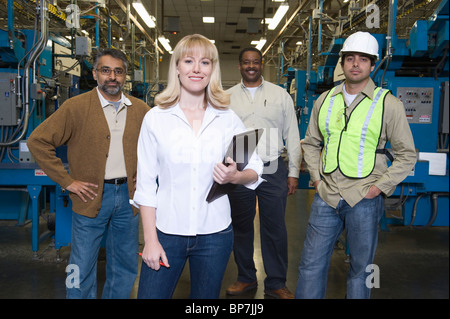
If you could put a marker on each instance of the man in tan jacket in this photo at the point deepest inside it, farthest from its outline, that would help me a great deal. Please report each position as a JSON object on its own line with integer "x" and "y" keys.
{"x": 100, "y": 129}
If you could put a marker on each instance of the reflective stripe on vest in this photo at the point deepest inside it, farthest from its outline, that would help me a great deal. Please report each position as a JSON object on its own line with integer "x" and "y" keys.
{"x": 350, "y": 144}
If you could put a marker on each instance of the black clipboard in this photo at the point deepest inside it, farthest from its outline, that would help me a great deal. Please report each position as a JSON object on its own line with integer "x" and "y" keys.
{"x": 240, "y": 150}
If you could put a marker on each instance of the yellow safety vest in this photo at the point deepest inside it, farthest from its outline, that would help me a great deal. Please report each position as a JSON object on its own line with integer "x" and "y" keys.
{"x": 350, "y": 143}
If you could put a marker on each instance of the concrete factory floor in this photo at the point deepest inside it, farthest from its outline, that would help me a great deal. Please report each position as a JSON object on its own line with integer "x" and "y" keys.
{"x": 413, "y": 263}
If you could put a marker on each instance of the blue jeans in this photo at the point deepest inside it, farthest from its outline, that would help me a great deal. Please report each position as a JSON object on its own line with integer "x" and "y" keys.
{"x": 116, "y": 220}
{"x": 324, "y": 228}
{"x": 208, "y": 258}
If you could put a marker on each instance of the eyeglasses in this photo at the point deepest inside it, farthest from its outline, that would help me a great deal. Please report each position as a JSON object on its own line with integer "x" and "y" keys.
{"x": 107, "y": 71}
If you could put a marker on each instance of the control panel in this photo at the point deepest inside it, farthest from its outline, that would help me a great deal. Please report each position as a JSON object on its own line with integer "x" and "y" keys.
{"x": 418, "y": 103}
{"x": 9, "y": 113}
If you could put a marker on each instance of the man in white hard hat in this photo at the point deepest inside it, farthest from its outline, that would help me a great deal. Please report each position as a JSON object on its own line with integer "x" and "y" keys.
{"x": 345, "y": 154}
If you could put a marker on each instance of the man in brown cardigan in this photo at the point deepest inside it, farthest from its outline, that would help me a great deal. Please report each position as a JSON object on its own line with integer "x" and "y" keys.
{"x": 101, "y": 130}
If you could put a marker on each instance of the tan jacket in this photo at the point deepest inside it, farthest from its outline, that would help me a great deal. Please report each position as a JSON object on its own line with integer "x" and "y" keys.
{"x": 395, "y": 129}
{"x": 80, "y": 123}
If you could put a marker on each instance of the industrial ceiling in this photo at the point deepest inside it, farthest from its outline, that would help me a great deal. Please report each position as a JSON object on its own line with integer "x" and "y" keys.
{"x": 236, "y": 23}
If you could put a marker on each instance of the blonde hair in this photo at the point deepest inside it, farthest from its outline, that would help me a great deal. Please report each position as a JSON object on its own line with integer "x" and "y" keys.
{"x": 215, "y": 95}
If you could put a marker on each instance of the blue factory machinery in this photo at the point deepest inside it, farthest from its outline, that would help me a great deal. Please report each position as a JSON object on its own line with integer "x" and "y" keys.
{"x": 416, "y": 70}
{"x": 43, "y": 63}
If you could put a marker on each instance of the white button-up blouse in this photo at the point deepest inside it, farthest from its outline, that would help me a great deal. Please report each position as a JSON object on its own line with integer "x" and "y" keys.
{"x": 175, "y": 169}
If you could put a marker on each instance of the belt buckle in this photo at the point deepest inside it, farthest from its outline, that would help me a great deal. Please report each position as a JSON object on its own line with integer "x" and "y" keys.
{"x": 119, "y": 181}
{"x": 116, "y": 181}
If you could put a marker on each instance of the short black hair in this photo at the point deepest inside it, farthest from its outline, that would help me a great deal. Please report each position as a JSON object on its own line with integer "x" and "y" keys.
{"x": 249, "y": 49}
{"x": 117, "y": 54}
{"x": 371, "y": 57}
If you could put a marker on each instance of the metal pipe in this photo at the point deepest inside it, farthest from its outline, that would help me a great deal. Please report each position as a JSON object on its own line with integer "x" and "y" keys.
{"x": 434, "y": 204}
{"x": 263, "y": 19}
{"x": 388, "y": 61}
{"x": 10, "y": 5}
{"x": 391, "y": 36}
{"x": 378, "y": 67}
{"x": 97, "y": 30}
{"x": 308, "y": 59}
{"x": 109, "y": 31}
{"x": 413, "y": 217}
{"x": 319, "y": 40}
{"x": 280, "y": 62}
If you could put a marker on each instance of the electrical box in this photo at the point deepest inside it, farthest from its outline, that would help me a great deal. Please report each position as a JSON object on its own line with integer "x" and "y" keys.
{"x": 36, "y": 92}
{"x": 9, "y": 113}
{"x": 418, "y": 103}
{"x": 138, "y": 76}
{"x": 24, "y": 153}
{"x": 316, "y": 14}
{"x": 83, "y": 46}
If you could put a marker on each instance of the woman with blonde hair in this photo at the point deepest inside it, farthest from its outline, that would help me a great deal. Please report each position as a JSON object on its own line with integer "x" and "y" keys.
{"x": 215, "y": 95}
{"x": 181, "y": 145}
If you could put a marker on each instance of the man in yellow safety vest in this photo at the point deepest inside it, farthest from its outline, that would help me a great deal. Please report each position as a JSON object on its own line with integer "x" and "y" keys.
{"x": 344, "y": 151}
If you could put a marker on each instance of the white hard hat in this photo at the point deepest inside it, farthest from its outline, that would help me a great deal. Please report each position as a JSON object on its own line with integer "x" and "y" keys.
{"x": 362, "y": 42}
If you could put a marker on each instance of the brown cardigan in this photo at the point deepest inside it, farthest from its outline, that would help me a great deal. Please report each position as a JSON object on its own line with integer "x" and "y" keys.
{"x": 81, "y": 124}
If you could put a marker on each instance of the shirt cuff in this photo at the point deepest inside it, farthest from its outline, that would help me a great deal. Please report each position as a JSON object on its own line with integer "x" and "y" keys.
{"x": 314, "y": 176}
{"x": 138, "y": 201}
{"x": 133, "y": 203}
{"x": 255, "y": 184}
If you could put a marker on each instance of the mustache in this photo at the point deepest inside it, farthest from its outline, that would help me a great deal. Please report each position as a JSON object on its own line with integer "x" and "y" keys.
{"x": 111, "y": 89}
{"x": 251, "y": 69}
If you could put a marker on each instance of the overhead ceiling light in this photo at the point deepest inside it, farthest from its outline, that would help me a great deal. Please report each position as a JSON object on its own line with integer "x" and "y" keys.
{"x": 267, "y": 20}
{"x": 212, "y": 41}
{"x": 208, "y": 19}
{"x": 165, "y": 44}
{"x": 282, "y": 9}
{"x": 261, "y": 43}
{"x": 254, "y": 42}
{"x": 148, "y": 19}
